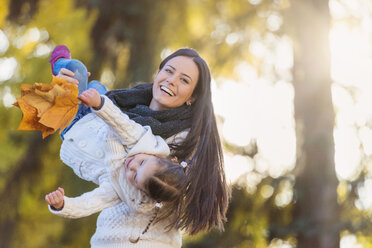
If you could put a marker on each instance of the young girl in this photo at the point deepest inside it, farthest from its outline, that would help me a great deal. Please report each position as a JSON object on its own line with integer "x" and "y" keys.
{"x": 139, "y": 181}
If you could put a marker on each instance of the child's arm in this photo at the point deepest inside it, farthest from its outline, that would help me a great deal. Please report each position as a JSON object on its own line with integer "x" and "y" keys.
{"x": 88, "y": 203}
{"x": 131, "y": 133}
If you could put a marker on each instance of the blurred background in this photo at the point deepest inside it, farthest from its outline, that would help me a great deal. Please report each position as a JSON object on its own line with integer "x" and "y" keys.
{"x": 292, "y": 90}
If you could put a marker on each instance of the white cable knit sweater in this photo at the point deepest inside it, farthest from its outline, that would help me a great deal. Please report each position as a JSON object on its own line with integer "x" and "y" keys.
{"x": 95, "y": 148}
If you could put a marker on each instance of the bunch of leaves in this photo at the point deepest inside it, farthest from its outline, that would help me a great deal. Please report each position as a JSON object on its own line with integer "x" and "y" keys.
{"x": 48, "y": 107}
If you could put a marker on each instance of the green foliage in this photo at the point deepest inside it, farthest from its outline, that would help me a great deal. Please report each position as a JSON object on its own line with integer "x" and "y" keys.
{"x": 3, "y": 11}
{"x": 30, "y": 167}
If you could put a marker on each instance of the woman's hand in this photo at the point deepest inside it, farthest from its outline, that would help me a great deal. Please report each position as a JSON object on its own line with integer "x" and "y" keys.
{"x": 55, "y": 199}
{"x": 68, "y": 75}
{"x": 91, "y": 98}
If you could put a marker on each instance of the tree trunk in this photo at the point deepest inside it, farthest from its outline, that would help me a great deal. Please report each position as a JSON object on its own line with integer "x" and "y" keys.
{"x": 130, "y": 23}
{"x": 316, "y": 210}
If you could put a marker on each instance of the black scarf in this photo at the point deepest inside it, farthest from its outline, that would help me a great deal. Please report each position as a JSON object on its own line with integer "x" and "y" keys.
{"x": 135, "y": 103}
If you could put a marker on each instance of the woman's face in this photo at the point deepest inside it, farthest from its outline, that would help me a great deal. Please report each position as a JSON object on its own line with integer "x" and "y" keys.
{"x": 139, "y": 168}
{"x": 174, "y": 83}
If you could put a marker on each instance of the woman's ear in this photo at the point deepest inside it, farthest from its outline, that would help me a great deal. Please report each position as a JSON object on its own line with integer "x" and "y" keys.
{"x": 190, "y": 101}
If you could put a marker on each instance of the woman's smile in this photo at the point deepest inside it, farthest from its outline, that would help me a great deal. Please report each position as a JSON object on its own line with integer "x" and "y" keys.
{"x": 167, "y": 90}
{"x": 174, "y": 84}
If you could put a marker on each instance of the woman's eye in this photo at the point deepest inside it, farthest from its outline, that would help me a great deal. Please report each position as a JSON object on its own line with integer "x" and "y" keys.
{"x": 184, "y": 80}
{"x": 142, "y": 162}
{"x": 135, "y": 176}
{"x": 168, "y": 70}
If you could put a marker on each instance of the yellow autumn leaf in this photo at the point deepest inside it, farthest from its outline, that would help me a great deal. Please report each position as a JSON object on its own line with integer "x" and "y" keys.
{"x": 38, "y": 102}
{"x": 61, "y": 113}
{"x": 48, "y": 107}
{"x": 51, "y": 94}
{"x": 30, "y": 121}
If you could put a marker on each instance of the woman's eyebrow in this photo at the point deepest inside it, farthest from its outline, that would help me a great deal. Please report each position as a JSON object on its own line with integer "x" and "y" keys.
{"x": 181, "y": 73}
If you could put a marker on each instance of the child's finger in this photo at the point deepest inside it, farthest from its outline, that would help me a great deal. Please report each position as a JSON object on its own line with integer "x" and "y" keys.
{"x": 61, "y": 190}
{"x": 54, "y": 198}
{"x": 66, "y": 72}
{"x": 50, "y": 199}
{"x": 69, "y": 79}
{"x": 47, "y": 199}
{"x": 58, "y": 195}
{"x": 93, "y": 91}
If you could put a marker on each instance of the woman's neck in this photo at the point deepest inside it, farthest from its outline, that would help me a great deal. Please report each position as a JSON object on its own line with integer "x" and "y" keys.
{"x": 154, "y": 105}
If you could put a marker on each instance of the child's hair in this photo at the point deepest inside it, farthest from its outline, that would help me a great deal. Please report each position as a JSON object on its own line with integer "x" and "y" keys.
{"x": 164, "y": 187}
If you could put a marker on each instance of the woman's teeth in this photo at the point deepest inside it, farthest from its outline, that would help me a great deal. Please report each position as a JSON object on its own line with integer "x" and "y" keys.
{"x": 166, "y": 90}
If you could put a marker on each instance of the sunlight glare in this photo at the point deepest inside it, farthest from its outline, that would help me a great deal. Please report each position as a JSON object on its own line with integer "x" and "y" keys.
{"x": 351, "y": 60}
{"x": 165, "y": 52}
{"x": 337, "y": 10}
{"x": 108, "y": 78}
{"x": 285, "y": 196}
{"x": 8, "y": 67}
{"x": 344, "y": 106}
{"x": 365, "y": 195}
{"x": 365, "y": 135}
{"x": 349, "y": 241}
{"x": 232, "y": 38}
{"x": 279, "y": 243}
{"x": 31, "y": 35}
{"x": 4, "y": 42}
{"x": 237, "y": 165}
{"x": 42, "y": 50}
{"x": 351, "y": 63}
{"x": 347, "y": 153}
{"x": 8, "y": 98}
{"x": 274, "y": 21}
{"x": 255, "y": 2}
{"x": 266, "y": 191}
{"x": 251, "y": 180}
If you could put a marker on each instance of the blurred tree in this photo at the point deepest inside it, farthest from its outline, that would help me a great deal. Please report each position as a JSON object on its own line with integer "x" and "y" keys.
{"x": 316, "y": 212}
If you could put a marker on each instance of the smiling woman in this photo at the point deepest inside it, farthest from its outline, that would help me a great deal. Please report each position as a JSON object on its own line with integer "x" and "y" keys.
{"x": 178, "y": 107}
{"x": 174, "y": 84}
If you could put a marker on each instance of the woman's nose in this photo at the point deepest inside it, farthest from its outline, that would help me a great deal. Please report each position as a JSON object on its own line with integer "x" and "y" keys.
{"x": 171, "y": 80}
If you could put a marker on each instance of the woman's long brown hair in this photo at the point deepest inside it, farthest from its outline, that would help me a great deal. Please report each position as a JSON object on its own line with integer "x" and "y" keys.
{"x": 205, "y": 191}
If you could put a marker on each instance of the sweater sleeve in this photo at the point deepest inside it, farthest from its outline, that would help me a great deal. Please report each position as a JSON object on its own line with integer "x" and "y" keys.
{"x": 129, "y": 131}
{"x": 136, "y": 138}
{"x": 88, "y": 203}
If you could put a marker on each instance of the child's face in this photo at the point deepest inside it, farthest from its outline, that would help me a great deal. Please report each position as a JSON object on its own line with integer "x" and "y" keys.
{"x": 140, "y": 167}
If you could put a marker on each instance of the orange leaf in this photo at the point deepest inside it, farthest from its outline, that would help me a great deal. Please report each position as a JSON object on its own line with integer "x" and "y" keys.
{"x": 62, "y": 112}
{"x": 48, "y": 107}
{"x": 30, "y": 121}
{"x": 37, "y": 102}
{"x": 52, "y": 93}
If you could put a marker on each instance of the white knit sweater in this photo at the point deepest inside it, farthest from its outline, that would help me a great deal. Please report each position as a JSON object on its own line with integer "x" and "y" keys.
{"x": 95, "y": 148}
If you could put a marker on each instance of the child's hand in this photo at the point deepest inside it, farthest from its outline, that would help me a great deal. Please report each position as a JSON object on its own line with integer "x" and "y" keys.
{"x": 55, "y": 199}
{"x": 69, "y": 76}
{"x": 91, "y": 98}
